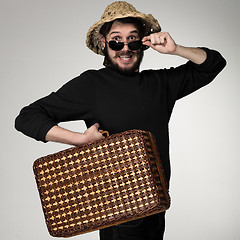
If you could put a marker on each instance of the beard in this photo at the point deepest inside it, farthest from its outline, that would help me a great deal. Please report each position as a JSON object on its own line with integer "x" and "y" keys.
{"x": 108, "y": 62}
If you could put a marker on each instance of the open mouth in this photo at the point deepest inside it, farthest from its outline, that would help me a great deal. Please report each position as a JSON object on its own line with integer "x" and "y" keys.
{"x": 125, "y": 58}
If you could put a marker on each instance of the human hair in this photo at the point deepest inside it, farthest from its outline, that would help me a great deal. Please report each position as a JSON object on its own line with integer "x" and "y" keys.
{"x": 105, "y": 29}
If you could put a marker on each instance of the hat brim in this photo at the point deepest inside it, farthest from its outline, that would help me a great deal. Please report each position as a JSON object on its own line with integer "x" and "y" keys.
{"x": 93, "y": 41}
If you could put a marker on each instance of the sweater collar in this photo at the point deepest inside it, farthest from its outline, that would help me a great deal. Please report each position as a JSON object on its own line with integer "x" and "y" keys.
{"x": 131, "y": 74}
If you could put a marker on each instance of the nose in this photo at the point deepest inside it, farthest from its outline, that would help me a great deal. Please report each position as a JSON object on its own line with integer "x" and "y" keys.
{"x": 125, "y": 48}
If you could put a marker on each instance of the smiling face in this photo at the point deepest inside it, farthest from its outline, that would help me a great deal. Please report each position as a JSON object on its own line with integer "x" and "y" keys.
{"x": 124, "y": 60}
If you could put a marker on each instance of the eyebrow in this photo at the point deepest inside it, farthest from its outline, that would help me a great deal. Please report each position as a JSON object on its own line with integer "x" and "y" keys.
{"x": 134, "y": 31}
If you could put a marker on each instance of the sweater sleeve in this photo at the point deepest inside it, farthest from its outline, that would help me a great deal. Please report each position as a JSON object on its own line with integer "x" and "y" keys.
{"x": 185, "y": 79}
{"x": 73, "y": 101}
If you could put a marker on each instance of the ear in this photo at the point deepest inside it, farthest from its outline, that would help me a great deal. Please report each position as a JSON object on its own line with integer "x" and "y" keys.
{"x": 102, "y": 39}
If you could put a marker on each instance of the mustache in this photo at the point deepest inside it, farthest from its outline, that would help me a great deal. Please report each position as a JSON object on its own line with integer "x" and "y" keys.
{"x": 126, "y": 53}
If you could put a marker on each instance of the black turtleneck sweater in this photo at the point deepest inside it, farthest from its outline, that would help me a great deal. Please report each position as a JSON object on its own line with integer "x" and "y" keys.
{"x": 121, "y": 102}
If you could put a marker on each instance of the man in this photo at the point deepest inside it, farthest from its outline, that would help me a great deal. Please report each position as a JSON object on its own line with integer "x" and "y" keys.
{"x": 119, "y": 97}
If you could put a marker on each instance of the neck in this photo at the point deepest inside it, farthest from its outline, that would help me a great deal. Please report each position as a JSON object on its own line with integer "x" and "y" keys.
{"x": 126, "y": 73}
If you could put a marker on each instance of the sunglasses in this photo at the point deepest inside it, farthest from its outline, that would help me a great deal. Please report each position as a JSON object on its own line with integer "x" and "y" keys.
{"x": 133, "y": 46}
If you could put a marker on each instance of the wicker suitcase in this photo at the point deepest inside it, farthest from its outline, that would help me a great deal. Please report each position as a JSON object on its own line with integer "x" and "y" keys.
{"x": 101, "y": 184}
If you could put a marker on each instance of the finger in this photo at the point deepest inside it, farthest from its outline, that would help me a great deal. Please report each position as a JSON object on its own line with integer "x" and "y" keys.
{"x": 147, "y": 43}
{"x": 152, "y": 40}
{"x": 146, "y": 38}
{"x": 166, "y": 36}
{"x": 162, "y": 40}
{"x": 101, "y": 131}
{"x": 96, "y": 125}
{"x": 156, "y": 40}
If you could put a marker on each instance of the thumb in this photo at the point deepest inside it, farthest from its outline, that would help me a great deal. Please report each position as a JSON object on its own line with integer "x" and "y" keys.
{"x": 147, "y": 43}
{"x": 146, "y": 38}
{"x": 96, "y": 125}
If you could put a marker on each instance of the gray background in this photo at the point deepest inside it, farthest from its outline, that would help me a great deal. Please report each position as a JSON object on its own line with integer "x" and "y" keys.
{"x": 43, "y": 46}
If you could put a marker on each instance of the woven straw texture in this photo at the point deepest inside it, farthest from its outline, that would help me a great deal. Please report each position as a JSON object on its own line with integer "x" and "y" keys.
{"x": 119, "y": 9}
{"x": 104, "y": 183}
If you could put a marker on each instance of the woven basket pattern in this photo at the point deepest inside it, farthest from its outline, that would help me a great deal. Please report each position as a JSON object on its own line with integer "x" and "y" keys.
{"x": 101, "y": 184}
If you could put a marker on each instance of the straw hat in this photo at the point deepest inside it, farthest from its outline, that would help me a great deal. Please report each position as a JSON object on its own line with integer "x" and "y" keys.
{"x": 119, "y": 9}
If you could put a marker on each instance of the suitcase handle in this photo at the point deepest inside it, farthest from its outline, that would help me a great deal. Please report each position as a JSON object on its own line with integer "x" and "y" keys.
{"x": 104, "y": 133}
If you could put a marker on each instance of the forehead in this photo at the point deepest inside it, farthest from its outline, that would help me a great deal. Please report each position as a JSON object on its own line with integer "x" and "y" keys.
{"x": 123, "y": 28}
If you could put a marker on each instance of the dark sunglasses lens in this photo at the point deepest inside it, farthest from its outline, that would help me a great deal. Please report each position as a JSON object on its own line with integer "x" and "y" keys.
{"x": 135, "y": 45}
{"x": 116, "y": 46}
